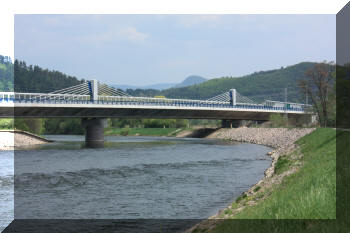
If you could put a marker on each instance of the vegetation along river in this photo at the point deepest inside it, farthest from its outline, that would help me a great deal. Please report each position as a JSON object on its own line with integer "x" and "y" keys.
{"x": 130, "y": 177}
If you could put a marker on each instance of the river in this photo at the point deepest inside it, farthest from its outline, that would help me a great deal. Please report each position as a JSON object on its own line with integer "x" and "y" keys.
{"x": 129, "y": 178}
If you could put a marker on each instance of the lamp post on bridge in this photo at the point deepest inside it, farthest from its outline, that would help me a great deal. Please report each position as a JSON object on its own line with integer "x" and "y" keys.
{"x": 286, "y": 105}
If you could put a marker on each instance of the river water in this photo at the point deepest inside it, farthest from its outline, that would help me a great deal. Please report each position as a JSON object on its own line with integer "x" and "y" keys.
{"x": 130, "y": 178}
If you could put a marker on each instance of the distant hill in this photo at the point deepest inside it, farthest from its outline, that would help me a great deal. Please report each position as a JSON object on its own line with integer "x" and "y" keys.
{"x": 159, "y": 86}
{"x": 191, "y": 80}
{"x": 259, "y": 85}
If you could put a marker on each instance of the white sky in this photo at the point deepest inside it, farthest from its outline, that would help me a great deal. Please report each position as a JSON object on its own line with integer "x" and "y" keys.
{"x": 195, "y": 43}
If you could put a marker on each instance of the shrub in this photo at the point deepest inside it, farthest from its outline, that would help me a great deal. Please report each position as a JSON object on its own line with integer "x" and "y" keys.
{"x": 257, "y": 188}
{"x": 277, "y": 120}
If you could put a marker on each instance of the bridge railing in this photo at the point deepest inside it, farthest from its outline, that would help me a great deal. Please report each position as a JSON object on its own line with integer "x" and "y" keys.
{"x": 40, "y": 97}
{"x": 125, "y": 100}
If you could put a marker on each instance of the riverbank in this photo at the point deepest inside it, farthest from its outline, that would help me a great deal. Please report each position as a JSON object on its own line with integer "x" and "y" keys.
{"x": 281, "y": 139}
{"x": 272, "y": 137}
{"x": 10, "y": 139}
{"x": 300, "y": 184}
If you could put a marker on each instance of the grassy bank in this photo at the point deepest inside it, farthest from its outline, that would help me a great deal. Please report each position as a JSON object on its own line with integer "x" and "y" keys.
{"x": 142, "y": 131}
{"x": 310, "y": 193}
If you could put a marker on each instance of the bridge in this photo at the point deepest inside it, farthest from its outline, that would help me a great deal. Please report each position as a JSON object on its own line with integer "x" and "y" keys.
{"x": 94, "y": 102}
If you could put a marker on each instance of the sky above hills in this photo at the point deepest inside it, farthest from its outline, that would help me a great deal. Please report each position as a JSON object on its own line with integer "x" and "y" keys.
{"x": 149, "y": 49}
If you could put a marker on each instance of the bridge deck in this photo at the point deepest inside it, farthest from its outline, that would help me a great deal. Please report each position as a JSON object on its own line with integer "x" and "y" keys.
{"x": 205, "y": 110}
{"x": 83, "y": 105}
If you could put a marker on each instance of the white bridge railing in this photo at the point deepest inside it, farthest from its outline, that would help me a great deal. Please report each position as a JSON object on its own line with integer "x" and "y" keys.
{"x": 47, "y": 98}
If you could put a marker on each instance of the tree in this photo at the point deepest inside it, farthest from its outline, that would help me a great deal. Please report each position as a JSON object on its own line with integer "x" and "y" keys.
{"x": 277, "y": 120}
{"x": 318, "y": 84}
{"x": 343, "y": 98}
{"x": 33, "y": 125}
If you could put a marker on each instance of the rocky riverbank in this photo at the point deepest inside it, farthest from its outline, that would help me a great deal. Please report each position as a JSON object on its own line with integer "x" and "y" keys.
{"x": 10, "y": 139}
{"x": 272, "y": 137}
{"x": 282, "y": 140}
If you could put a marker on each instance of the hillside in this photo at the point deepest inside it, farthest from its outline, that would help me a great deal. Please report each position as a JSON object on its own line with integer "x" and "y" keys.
{"x": 35, "y": 79}
{"x": 259, "y": 85}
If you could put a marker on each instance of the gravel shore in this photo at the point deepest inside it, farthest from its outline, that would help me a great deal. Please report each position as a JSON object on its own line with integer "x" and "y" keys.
{"x": 272, "y": 137}
{"x": 11, "y": 139}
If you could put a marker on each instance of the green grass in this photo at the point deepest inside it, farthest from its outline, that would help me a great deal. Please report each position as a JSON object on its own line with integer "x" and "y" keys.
{"x": 241, "y": 197}
{"x": 282, "y": 165}
{"x": 310, "y": 193}
{"x": 140, "y": 131}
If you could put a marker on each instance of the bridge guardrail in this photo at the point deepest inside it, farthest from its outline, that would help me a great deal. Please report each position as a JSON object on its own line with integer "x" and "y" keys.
{"x": 120, "y": 100}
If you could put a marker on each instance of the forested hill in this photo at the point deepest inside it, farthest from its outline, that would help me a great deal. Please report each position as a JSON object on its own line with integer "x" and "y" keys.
{"x": 259, "y": 85}
{"x": 6, "y": 74}
{"x": 35, "y": 79}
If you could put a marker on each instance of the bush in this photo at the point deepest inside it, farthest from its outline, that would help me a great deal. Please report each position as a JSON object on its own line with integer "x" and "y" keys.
{"x": 277, "y": 120}
{"x": 281, "y": 165}
{"x": 63, "y": 126}
{"x": 124, "y": 132}
{"x": 241, "y": 197}
{"x": 6, "y": 123}
{"x": 33, "y": 125}
{"x": 257, "y": 188}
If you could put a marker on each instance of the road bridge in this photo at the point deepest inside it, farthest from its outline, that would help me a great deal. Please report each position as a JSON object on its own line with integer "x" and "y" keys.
{"x": 93, "y": 102}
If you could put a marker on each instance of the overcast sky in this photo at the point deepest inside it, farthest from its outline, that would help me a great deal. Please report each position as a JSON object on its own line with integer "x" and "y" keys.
{"x": 150, "y": 49}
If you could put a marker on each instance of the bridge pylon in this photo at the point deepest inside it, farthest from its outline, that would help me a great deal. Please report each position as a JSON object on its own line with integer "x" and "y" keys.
{"x": 233, "y": 97}
{"x": 93, "y": 89}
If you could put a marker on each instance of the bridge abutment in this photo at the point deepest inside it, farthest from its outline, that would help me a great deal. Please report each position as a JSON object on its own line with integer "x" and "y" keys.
{"x": 231, "y": 123}
{"x": 94, "y": 131}
{"x": 302, "y": 120}
{"x": 240, "y": 123}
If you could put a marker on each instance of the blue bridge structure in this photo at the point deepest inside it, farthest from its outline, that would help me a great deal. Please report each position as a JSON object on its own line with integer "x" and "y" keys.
{"x": 94, "y": 102}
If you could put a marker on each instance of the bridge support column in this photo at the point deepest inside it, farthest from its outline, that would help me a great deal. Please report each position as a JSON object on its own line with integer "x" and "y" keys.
{"x": 94, "y": 131}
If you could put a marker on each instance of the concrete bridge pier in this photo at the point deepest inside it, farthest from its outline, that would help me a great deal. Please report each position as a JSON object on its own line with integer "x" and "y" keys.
{"x": 94, "y": 131}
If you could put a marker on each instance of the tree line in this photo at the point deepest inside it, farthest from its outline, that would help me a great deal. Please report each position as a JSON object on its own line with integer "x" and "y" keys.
{"x": 6, "y": 74}
{"x": 35, "y": 79}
